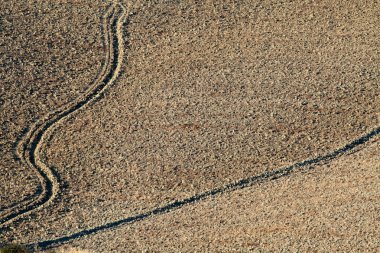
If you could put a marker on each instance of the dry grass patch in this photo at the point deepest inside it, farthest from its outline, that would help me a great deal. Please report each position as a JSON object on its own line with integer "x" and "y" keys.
{"x": 21, "y": 249}
{"x": 13, "y": 249}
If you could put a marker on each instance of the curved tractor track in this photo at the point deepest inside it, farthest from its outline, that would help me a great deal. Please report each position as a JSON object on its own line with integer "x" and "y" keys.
{"x": 29, "y": 148}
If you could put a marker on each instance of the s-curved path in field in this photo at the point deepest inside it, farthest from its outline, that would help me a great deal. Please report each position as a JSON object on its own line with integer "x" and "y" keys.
{"x": 29, "y": 147}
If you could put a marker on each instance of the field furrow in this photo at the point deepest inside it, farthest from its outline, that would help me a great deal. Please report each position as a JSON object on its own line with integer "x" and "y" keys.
{"x": 29, "y": 147}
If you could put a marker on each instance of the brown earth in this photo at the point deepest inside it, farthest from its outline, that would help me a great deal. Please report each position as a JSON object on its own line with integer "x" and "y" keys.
{"x": 50, "y": 53}
{"x": 332, "y": 208}
{"x": 208, "y": 94}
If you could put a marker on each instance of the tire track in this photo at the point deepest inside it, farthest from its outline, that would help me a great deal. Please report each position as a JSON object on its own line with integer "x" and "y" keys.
{"x": 243, "y": 183}
{"x": 30, "y": 147}
{"x": 25, "y": 143}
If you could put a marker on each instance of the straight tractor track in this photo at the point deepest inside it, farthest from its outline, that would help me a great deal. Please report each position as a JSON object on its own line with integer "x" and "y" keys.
{"x": 243, "y": 183}
{"x": 29, "y": 148}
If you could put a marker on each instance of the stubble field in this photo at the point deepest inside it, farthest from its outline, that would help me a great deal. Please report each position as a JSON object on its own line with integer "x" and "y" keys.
{"x": 182, "y": 126}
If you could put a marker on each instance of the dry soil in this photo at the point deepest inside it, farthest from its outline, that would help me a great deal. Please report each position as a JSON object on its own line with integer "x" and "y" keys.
{"x": 208, "y": 94}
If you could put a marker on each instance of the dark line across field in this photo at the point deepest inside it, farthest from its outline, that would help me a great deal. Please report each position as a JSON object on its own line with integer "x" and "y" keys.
{"x": 243, "y": 183}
